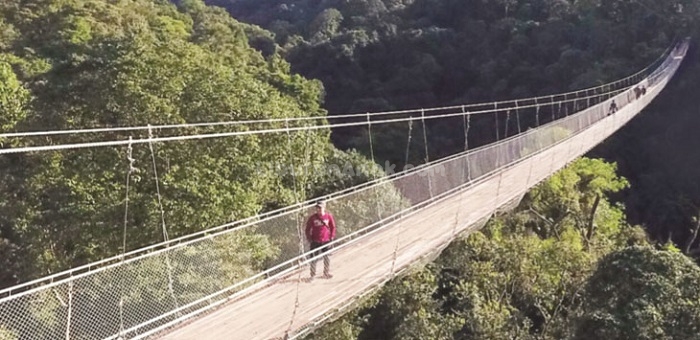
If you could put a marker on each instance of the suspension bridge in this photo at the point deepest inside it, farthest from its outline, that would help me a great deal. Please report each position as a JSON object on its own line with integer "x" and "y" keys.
{"x": 184, "y": 288}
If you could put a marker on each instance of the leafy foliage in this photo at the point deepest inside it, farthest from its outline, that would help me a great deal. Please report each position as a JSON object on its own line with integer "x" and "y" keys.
{"x": 641, "y": 293}
{"x": 13, "y": 97}
{"x": 84, "y": 63}
{"x": 573, "y": 199}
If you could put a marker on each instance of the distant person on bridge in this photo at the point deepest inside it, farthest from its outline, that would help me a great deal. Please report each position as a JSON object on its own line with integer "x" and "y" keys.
{"x": 613, "y": 107}
{"x": 320, "y": 230}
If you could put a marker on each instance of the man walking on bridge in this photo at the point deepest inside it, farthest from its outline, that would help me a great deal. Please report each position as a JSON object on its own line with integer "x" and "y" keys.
{"x": 320, "y": 230}
{"x": 613, "y": 108}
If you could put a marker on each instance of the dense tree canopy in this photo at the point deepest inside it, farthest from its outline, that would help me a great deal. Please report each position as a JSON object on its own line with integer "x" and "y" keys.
{"x": 397, "y": 54}
{"x": 641, "y": 293}
{"x": 384, "y": 54}
{"x": 79, "y": 64}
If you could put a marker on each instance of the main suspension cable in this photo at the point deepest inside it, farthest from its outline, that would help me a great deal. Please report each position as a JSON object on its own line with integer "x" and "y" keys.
{"x": 245, "y": 132}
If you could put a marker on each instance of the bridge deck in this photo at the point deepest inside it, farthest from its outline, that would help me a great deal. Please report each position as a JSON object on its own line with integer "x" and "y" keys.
{"x": 268, "y": 312}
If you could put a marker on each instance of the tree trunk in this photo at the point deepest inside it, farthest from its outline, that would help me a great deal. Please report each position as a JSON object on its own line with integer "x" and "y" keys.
{"x": 591, "y": 220}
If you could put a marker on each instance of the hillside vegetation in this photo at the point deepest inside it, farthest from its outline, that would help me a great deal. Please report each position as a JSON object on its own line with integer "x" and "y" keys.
{"x": 92, "y": 63}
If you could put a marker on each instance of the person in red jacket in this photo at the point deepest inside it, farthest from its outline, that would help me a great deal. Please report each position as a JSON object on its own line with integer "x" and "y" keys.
{"x": 320, "y": 230}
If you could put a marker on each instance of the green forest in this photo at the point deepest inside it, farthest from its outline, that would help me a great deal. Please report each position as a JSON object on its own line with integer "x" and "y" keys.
{"x": 77, "y": 64}
{"x": 607, "y": 248}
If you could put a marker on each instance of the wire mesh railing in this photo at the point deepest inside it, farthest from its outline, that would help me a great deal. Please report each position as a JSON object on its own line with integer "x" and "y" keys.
{"x": 144, "y": 293}
{"x": 534, "y": 112}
